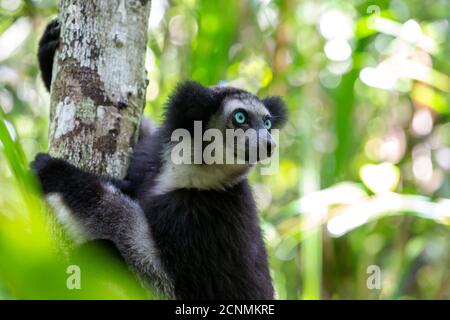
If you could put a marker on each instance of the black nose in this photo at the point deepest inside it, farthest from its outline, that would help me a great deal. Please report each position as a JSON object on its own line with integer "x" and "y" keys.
{"x": 269, "y": 147}
{"x": 265, "y": 150}
{"x": 268, "y": 144}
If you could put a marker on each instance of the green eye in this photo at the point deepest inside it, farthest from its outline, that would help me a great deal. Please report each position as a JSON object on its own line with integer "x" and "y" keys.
{"x": 267, "y": 124}
{"x": 239, "y": 117}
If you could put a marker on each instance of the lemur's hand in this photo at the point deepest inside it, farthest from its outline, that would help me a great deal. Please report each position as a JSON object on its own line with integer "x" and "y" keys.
{"x": 78, "y": 198}
{"x": 53, "y": 173}
{"x": 47, "y": 46}
{"x": 89, "y": 206}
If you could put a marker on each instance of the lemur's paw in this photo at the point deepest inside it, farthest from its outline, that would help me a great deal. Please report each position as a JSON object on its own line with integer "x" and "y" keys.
{"x": 50, "y": 38}
{"x": 43, "y": 163}
{"x": 40, "y": 162}
{"x": 51, "y": 171}
{"x": 47, "y": 47}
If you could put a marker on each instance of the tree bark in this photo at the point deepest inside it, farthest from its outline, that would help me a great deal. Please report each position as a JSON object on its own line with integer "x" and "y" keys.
{"x": 99, "y": 82}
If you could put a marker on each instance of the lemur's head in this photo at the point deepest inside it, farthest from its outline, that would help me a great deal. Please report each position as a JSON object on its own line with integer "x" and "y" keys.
{"x": 242, "y": 122}
{"x": 229, "y": 111}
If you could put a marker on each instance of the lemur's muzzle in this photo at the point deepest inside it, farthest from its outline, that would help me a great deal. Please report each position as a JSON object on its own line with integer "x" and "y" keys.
{"x": 256, "y": 145}
{"x": 266, "y": 144}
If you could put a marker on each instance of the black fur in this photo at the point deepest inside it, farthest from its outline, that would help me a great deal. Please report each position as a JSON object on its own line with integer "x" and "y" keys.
{"x": 277, "y": 109}
{"x": 190, "y": 102}
{"x": 209, "y": 242}
{"x": 47, "y": 47}
{"x": 86, "y": 194}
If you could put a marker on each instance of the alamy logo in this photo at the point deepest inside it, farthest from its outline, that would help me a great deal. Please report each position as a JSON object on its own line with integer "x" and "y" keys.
{"x": 74, "y": 279}
{"x": 374, "y": 278}
{"x": 235, "y": 147}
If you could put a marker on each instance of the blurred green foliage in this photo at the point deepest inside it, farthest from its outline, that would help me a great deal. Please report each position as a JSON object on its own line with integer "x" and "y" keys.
{"x": 364, "y": 160}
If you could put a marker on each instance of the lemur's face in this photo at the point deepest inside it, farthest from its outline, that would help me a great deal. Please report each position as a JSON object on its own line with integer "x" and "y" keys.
{"x": 222, "y": 110}
{"x": 245, "y": 122}
{"x": 246, "y": 126}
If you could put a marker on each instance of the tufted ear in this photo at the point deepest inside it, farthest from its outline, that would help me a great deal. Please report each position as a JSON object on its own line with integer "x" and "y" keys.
{"x": 277, "y": 109}
{"x": 190, "y": 102}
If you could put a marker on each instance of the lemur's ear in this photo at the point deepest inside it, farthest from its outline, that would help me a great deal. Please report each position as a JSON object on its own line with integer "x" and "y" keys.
{"x": 190, "y": 102}
{"x": 277, "y": 109}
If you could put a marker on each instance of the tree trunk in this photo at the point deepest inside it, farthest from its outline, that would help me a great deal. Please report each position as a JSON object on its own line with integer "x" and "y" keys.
{"x": 99, "y": 82}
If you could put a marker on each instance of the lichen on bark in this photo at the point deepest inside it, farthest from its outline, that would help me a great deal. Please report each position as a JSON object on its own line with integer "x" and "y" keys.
{"x": 98, "y": 87}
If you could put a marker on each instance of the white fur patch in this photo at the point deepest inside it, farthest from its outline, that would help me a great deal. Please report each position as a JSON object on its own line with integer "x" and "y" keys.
{"x": 197, "y": 176}
{"x": 250, "y": 105}
{"x": 65, "y": 218}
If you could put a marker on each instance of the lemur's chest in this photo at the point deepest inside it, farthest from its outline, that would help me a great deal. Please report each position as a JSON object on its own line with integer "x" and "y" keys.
{"x": 208, "y": 220}
{"x": 202, "y": 208}
{"x": 210, "y": 240}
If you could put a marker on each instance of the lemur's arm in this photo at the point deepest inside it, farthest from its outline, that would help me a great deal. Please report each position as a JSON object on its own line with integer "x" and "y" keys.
{"x": 94, "y": 203}
{"x": 47, "y": 46}
{"x": 95, "y": 208}
{"x": 92, "y": 206}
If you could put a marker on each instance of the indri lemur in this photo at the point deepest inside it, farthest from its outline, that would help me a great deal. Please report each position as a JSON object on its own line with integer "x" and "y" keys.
{"x": 191, "y": 229}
